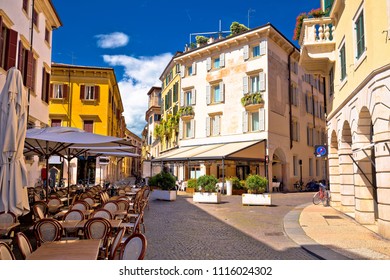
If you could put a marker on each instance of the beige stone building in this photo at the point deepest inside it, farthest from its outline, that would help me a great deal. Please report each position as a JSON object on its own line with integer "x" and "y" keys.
{"x": 247, "y": 107}
{"x": 349, "y": 46}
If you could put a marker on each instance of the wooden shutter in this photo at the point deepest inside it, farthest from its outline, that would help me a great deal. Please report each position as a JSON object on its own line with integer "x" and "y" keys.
{"x": 182, "y": 71}
{"x": 246, "y": 52}
{"x": 20, "y": 59}
{"x": 193, "y": 68}
{"x": 263, "y": 47}
{"x": 97, "y": 93}
{"x": 51, "y": 90}
{"x": 192, "y": 135}
{"x": 182, "y": 98}
{"x": 245, "y": 85}
{"x": 245, "y": 121}
{"x": 216, "y": 127}
{"x": 222, "y": 60}
{"x": 82, "y": 92}
{"x": 193, "y": 96}
{"x": 30, "y": 69}
{"x": 222, "y": 91}
{"x": 1, "y": 40}
{"x": 262, "y": 81}
{"x": 65, "y": 91}
{"x": 208, "y": 122}
{"x": 181, "y": 128}
{"x": 11, "y": 49}
{"x": 208, "y": 63}
{"x": 261, "y": 119}
{"x": 208, "y": 97}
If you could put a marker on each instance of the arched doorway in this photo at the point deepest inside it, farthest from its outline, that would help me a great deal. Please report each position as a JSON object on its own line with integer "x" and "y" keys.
{"x": 347, "y": 187}
{"x": 364, "y": 169}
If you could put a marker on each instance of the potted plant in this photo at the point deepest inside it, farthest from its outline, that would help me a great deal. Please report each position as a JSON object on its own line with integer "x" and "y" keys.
{"x": 316, "y": 13}
{"x": 191, "y": 185}
{"x": 238, "y": 186}
{"x": 207, "y": 191}
{"x": 298, "y": 25}
{"x": 256, "y": 186}
{"x": 201, "y": 40}
{"x": 164, "y": 184}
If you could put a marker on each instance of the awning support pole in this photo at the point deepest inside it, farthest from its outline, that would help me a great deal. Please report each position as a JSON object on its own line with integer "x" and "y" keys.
{"x": 223, "y": 175}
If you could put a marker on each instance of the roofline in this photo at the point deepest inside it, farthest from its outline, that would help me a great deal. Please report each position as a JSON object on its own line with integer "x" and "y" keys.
{"x": 152, "y": 89}
{"x": 177, "y": 54}
{"x": 56, "y": 13}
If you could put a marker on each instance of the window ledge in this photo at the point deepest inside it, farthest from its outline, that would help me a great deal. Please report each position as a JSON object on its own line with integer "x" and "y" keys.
{"x": 359, "y": 61}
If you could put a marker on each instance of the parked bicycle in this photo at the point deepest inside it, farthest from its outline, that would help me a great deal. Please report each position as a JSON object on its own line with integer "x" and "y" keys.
{"x": 323, "y": 195}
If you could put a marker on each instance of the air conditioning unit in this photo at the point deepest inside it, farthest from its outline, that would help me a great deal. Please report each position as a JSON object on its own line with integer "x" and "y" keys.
{"x": 104, "y": 160}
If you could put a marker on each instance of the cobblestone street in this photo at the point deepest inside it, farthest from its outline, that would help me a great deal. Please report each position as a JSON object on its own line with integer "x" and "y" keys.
{"x": 182, "y": 230}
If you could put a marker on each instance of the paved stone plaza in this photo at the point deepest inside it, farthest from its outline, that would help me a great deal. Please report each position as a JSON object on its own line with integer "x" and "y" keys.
{"x": 182, "y": 230}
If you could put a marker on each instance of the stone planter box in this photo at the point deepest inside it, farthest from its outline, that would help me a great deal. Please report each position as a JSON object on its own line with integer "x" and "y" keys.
{"x": 204, "y": 197}
{"x": 256, "y": 199}
{"x": 190, "y": 190}
{"x": 164, "y": 195}
{"x": 238, "y": 192}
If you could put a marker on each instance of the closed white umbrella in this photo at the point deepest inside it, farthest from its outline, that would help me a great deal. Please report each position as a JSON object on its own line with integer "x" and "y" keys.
{"x": 13, "y": 121}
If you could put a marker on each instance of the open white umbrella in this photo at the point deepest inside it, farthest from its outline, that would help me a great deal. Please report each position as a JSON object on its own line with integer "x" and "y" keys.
{"x": 13, "y": 122}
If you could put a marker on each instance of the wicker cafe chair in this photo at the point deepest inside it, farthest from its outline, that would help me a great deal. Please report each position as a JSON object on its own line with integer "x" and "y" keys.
{"x": 54, "y": 204}
{"x": 40, "y": 210}
{"x": 73, "y": 215}
{"x": 24, "y": 245}
{"x": 134, "y": 248}
{"x": 111, "y": 206}
{"x": 116, "y": 243}
{"x": 102, "y": 213}
{"x": 47, "y": 230}
{"x": 6, "y": 252}
{"x": 98, "y": 228}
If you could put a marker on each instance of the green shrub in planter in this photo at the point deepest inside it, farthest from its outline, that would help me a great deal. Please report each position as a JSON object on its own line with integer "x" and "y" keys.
{"x": 236, "y": 183}
{"x": 163, "y": 180}
{"x": 256, "y": 184}
{"x": 207, "y": 183}
{"x": 191, "y": 183}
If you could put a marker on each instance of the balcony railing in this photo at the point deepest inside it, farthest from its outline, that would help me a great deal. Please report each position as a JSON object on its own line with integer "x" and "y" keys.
{"x": 317, "y": 45}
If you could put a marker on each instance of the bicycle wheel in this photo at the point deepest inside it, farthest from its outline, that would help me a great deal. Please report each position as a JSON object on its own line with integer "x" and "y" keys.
{"x": 316, "y": 198}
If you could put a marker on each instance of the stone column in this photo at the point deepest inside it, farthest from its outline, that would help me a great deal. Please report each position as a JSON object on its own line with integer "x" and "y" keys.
{"x": 347, "y": 188}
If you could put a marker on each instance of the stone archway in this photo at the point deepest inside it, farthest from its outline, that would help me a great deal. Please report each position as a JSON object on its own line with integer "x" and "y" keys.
{"x": 346, "y": 169}
{"x": 366, "y": 211}
{"x": 334, "y": 170}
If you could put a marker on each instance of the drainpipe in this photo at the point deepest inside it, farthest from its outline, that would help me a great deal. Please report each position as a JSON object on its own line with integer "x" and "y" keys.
{"x": 31, "y": 49}
{"x": 290, "y": 98}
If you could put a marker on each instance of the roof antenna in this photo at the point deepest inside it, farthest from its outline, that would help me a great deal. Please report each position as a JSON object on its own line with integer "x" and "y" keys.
{"x": 249, "y": 12}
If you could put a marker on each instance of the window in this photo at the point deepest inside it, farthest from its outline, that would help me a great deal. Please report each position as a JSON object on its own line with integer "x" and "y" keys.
{"x": 187, "y": 129}
{"x": 295, "y": 130}
{"x": 157, "y": 117}
{"x": 309, "y": 103}
{"x": 310, "y": 136}
{"x": 47, "y": 34}
{"x": 35, "y": 17}
{"x": 175, "y": 91}
{"x": 359, "y": 29}
{"x": 310, "y": 167}
{"x": 26, "y": 65}
{"x": 189, "y": 70}
{"x": 295, "y": 165}
{"x": 215, "y": 62}
{"x": 256, "y": 51}
{"x": 294, "y": 95}
{"x": 59, "y": 91}
{"x": 55, "y": 122}
{"x": 318, "y": 167}
{"x": 215, "y": 93}
{"x": 331, "y": 82}
{"x": 88, "y": 126}
{"x": 254, "y": 83}
{"x": 8, "y": 46}
{"x": 213, "y": 124}
{"x": 343, "y": 63}
{"x": 45, "y": 85}
{"x": 89, "y": 92}
{"x": 294, "y": 67}
{"x": 25, "y": 6}
{"x": 254, "y": 120}
{"x": 150, "y": 119}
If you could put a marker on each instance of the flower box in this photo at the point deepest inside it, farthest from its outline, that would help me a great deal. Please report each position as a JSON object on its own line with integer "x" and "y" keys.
{"x": 164, "y": 195}
{"x": 256, "y": 199}
{"x": 206, "y": 197}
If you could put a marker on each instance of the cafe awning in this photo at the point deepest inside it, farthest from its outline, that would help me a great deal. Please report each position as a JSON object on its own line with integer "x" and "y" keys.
{"x": 248, "y": 150}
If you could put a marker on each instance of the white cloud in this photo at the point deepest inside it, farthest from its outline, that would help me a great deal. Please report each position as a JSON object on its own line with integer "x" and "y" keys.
{"x": 112, "y": 40}
{"x": 140, "y": 75}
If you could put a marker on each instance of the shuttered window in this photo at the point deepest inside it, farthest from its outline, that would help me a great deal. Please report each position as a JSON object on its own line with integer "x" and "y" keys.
{"x": 359, "y": 29}
{"x": 8, "y": 46}
{"x": 88, "y": 126}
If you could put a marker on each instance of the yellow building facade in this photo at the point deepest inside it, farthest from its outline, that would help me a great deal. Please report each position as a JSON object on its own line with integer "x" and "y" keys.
{"x": 88, "y": 98}
{"x": 349, "y": 46}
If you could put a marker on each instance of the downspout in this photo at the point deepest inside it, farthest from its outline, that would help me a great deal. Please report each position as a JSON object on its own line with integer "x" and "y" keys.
{"x": 70, "y": 100}
{"x": 290, "y": 98}
{"x": 31, "y": 49}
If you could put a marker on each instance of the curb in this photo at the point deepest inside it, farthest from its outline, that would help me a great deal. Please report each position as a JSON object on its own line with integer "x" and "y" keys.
{"x": 295, "y": 232}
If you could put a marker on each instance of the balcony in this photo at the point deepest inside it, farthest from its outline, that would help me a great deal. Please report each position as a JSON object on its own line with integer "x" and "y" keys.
{"x": 317, "y": 45}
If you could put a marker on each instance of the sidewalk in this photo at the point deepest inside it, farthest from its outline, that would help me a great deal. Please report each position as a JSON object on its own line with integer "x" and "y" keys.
{"x": 330, "y": 234}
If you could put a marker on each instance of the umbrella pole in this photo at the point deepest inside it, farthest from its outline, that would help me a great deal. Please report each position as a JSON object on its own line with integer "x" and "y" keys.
{"x": 47, "y": 170}
{"x": 68, "y": 176}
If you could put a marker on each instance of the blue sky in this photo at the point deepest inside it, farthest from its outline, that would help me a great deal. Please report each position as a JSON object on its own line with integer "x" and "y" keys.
{"x": 138, "y": 38}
